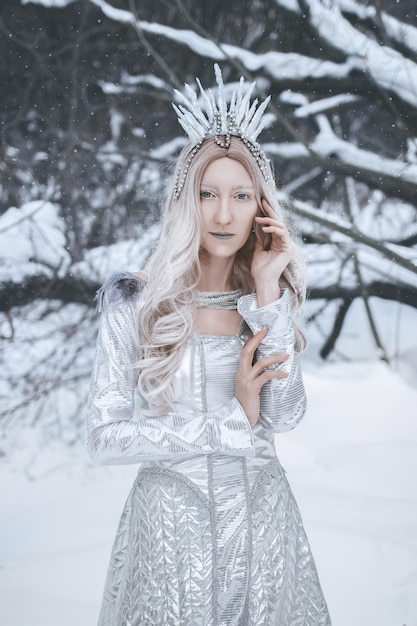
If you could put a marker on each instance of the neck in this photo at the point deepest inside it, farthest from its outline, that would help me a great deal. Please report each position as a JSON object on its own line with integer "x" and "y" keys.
{"x": 216, "y": 274}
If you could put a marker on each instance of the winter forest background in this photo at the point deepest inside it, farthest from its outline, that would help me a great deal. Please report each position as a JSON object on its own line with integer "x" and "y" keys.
{"x": 88, "y": 138}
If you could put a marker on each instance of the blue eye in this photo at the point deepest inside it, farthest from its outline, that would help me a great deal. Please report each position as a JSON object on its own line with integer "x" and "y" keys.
{"x": 242, "y": 196}
{"x": 205, "y": 194}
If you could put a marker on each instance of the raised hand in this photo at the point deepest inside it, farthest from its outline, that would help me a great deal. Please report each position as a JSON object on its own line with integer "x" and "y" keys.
{"x": 268, "y": 265}
{"x": 252, "y": 375}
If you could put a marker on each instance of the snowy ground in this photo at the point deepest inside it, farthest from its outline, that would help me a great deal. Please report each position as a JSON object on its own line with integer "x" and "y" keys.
{"x": 353, "y": 468}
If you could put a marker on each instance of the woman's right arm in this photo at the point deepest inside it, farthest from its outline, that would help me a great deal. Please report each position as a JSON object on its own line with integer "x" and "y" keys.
{"x": 112, "y": 436}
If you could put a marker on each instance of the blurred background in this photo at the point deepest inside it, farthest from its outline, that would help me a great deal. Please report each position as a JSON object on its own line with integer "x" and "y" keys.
{"x": 88, "y": 138}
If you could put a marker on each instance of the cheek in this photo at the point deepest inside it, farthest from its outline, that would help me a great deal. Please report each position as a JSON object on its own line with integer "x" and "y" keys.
{"x": 249, "y": 221}
{"x": 203, "y": 223}
{"x": 248, "y": 229}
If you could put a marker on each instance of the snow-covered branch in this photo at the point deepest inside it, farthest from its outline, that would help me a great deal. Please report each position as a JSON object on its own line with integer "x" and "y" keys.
{"x": 280, "y": 66}
{"x": 338, "y": 225}
{"x": 402, "y": 33}
{"x": 385, "y": 66}
{"x": 390, "y": 175}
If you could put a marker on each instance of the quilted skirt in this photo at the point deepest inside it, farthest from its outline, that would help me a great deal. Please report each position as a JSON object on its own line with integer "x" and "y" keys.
{"x": 229, "y": 550}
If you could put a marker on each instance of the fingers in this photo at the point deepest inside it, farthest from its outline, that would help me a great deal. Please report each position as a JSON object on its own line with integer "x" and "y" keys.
{"x": 248, "y": 351}
{"x": 256, "y": 340}
{"x": 263, "y": 364}
{"x": 272, "y": 225}
{"x": 252, "y": 375}
{"x": 261, "y": 219}
{"x": 271, "y": 375}
{"x": 271, "y": 220}
{"x": 257, "y": 368}
{"x": 253, "y": 344}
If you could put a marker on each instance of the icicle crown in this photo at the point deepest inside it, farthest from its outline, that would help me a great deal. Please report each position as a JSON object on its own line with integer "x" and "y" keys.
{"x": 214, "y": 118}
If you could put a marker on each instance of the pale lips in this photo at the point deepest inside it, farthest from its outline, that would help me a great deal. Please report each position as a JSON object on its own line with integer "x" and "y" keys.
{"x": 222, "y": 236}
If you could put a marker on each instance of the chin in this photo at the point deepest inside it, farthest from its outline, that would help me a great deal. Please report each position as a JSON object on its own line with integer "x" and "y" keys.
{"x": 221, "y": 254}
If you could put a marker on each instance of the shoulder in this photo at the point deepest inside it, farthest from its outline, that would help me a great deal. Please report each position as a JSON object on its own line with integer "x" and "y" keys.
{"x": 121, "y": 288}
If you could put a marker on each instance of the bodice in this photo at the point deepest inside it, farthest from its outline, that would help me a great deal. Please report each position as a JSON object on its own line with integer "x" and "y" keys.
{"x": 205, "y": 382}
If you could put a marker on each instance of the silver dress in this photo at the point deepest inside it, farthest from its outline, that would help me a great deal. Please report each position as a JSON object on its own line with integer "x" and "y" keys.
{"x": 210, "y": 534}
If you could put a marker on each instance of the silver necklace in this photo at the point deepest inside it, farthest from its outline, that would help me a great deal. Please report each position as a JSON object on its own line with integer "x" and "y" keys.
{"x": 226, "y": 300}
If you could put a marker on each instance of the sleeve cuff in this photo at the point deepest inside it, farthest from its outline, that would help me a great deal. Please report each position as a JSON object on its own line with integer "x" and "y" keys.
{"x": 234, "y": 432}
{"x": 276, "y": 317}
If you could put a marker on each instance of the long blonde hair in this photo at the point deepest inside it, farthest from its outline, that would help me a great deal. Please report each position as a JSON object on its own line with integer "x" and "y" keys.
{"x": 173, "y": 270}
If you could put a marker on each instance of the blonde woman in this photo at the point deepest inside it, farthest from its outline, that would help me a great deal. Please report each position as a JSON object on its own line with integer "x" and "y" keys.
{"x": 197, "y": 366}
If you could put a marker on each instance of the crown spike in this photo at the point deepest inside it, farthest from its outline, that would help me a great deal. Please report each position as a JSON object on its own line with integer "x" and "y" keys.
{"x": 221, "y": 102}
{"x": 256, "y": 125}
{"x": 240, "y": 92}
{"x": 208, "y": 102}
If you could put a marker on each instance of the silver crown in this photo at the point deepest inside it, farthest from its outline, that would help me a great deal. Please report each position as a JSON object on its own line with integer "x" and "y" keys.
{"x": 212, "y": 117}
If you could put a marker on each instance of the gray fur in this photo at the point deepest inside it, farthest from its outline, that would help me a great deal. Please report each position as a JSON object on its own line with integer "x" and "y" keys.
{"x": 118, "y": 289}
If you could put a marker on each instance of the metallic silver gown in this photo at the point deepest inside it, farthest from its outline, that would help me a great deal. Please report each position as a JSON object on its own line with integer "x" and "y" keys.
{"x": 210, "y": 534}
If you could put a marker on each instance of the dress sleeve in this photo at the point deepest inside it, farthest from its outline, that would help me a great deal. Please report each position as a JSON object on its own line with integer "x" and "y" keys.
{"x": 283, "y": 400}
{"x": 116, "y": 431}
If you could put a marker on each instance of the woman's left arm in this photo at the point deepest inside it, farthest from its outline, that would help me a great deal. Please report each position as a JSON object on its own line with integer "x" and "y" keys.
{"x": 282, "y": 400}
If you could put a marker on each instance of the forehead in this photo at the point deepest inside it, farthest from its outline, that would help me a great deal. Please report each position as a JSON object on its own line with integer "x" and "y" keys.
{"x": 226, "y": 170}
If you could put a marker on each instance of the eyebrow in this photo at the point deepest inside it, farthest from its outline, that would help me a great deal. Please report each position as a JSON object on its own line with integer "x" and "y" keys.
{"x": 248, "y": 186}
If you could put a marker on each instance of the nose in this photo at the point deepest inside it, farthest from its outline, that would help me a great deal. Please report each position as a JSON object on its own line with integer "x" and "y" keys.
{"x": 223, "y": 214}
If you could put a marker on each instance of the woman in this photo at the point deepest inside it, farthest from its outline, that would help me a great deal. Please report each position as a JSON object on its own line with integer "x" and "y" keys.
{"x": 197, "y": 367}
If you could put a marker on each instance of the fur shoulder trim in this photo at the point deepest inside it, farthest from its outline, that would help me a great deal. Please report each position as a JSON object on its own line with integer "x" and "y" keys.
{"x": 118, "y": 289}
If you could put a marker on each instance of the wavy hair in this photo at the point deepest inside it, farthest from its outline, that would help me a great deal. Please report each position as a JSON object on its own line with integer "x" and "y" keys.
{"x": 173, "y": 270}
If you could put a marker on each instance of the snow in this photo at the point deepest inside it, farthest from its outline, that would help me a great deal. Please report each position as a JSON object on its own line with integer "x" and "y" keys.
{"x": 393, "y": 322}
{"x": 279, "y": 66}
{"x": 129, "y": 255}
{"x": 325, "y": 104}
{"x": 129, "y": 83}
{"x": 386, "y": 66}
{"x": 32, "y": 240}
{"x": 359, "y": 10}
{"x": 288, "y": 150}
{"x": 404, "y": 34}
{"x": 326, "y": 143}
{"x": 59, "y": 4}
{"x": 352, "y": 465}
{"x": 168, "y": 149}
{"x": 342, "y": 229}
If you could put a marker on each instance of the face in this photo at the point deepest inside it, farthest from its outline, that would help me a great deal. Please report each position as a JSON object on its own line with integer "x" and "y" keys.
{"x": 228, "y": 207}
